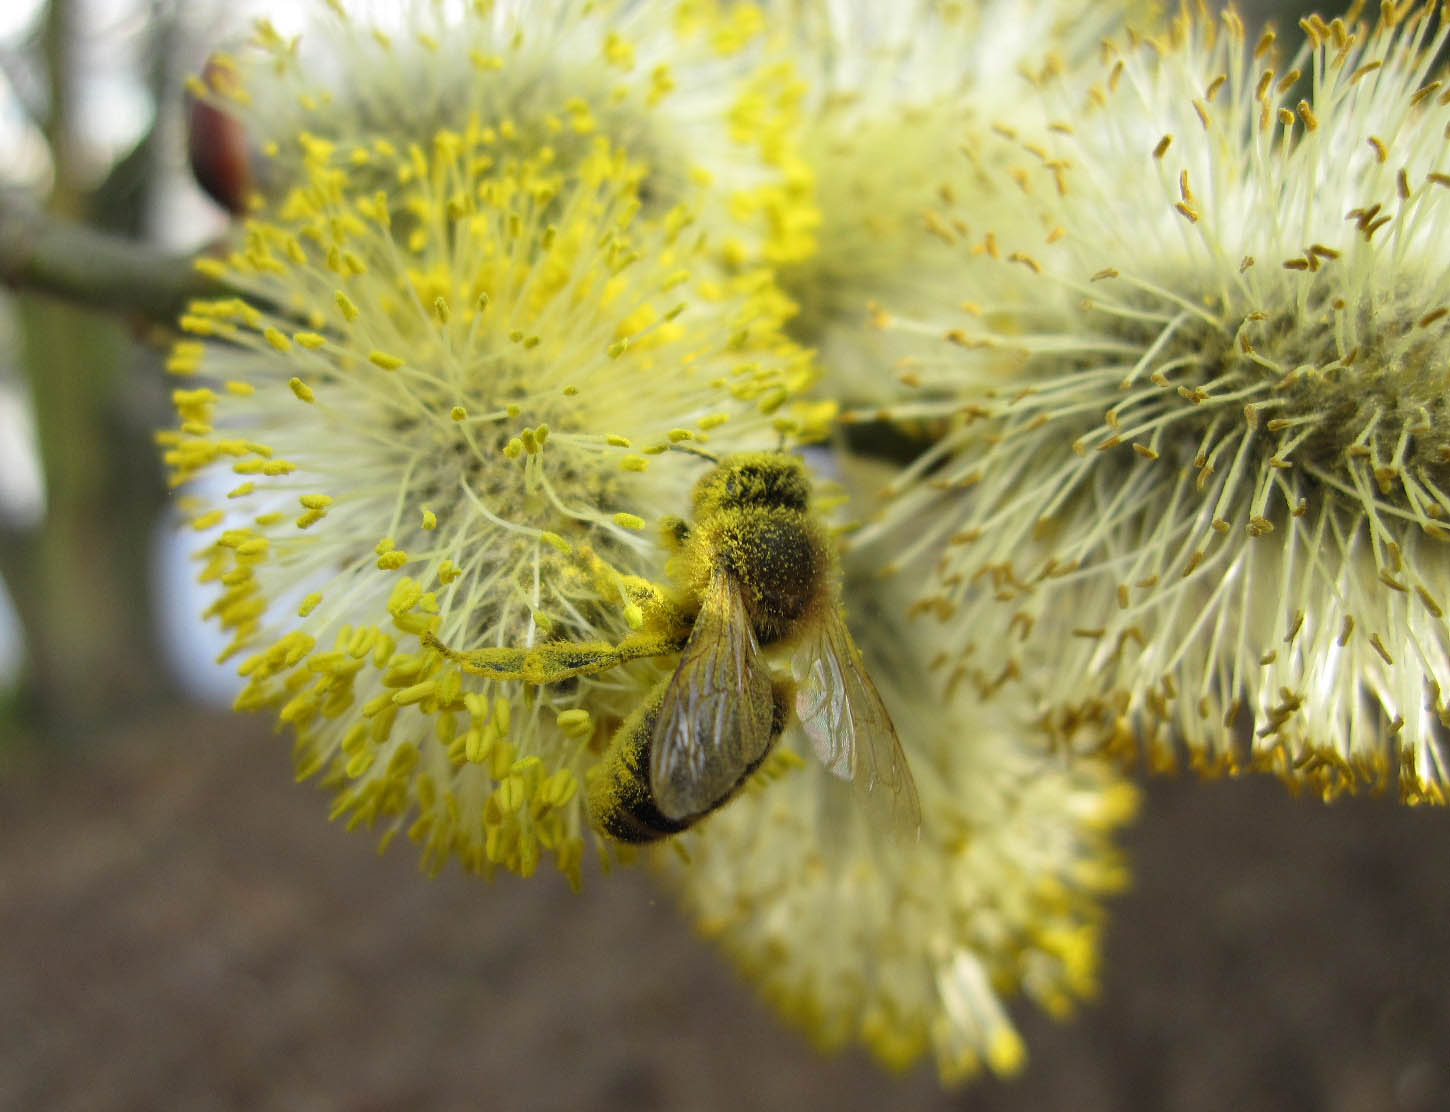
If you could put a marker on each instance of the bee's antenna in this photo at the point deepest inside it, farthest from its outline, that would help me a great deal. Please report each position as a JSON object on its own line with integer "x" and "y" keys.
{"x": 695, "y": 452}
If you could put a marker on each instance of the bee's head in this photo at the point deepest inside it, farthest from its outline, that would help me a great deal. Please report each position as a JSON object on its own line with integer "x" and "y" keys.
{"x": 764, "y": 479}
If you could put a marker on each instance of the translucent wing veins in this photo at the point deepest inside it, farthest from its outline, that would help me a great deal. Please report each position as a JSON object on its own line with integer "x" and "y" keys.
{"x": 849, "y": 726}
{"x": 715, "y": 721}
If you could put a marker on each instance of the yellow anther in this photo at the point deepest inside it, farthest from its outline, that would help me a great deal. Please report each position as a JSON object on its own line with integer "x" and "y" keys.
{"x": 576, "y": 723}
{"x": 414, "y": 694}
{"x": 478, "y": 745}
{"x": 559, "y": 789}
{"x": 405, "y": 595}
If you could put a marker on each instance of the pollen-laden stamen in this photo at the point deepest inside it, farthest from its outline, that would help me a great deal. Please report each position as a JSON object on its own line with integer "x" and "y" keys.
{"x": 913, "y": 123}
{"x": 1267, "y": 448}
{"x": 698, "y": 93}
{"x": 446, "y": 352}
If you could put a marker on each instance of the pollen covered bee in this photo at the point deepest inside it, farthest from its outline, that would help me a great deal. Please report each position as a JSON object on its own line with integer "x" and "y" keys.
{"x": 756, "y": 575}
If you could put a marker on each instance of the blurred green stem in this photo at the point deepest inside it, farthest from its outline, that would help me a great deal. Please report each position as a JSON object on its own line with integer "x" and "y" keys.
{"x": 42, "y": 253}
{"x": 80, "y": 580}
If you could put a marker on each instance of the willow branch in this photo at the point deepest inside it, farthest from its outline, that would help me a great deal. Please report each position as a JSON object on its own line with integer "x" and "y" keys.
{"x": 44, "y": 254}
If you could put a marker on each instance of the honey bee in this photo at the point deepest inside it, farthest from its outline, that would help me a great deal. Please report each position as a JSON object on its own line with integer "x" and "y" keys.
{"x": 756, "y": 575}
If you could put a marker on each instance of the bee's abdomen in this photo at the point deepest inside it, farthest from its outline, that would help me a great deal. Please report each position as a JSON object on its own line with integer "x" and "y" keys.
{"x": 779, "y": 557}
{"x": 620, "y": 801}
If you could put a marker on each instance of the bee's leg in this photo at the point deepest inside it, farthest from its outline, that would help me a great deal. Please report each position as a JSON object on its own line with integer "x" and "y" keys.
{"x": 544, "y": 664}
{"x": 782, "y": 700}
{"x": 496, "y": 663}
{"x": 561, "y": 660}
{"x": 674, "y": 531}
{"x": 660, "y": 612}
{"x": 605, "y": 577}
{"x": 657, "y": 607}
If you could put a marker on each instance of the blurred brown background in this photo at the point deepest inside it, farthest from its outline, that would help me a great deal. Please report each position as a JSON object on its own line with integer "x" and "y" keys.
{"x": 182, "y": 928}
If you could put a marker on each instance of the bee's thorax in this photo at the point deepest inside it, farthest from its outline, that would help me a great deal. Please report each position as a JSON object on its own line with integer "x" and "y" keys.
{"x": 779, "y": 558}
{"x": 764, "y": 480}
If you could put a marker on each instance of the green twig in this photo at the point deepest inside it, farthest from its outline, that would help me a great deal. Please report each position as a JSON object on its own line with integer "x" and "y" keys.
{"x": 44, "y": 254}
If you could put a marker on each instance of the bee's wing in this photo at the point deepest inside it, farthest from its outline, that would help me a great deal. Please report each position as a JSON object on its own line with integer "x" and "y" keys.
{"x": 849, "y": 726}
{"x": 715, "y": 722}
